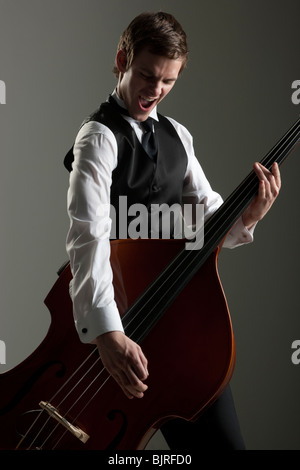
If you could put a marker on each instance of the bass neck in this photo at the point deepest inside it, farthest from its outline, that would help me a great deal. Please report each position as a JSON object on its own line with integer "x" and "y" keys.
{"x": 177, "y": 274}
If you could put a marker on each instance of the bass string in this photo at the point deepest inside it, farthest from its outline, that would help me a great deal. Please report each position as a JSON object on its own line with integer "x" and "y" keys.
{"x": 53, "y": 397}
{"x": 252, "y": 178}
{"x": 241, "y": 203}
{"x": 85, "y": 406}
{"x": 163, "y": 291}
{"x": 153, "y": 307}
{"x": 72, "y": 376}
{"x": 82, "y": 409}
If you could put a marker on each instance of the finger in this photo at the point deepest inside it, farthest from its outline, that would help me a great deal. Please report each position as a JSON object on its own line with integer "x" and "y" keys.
{"x": 138, "y": 363}
{"x": 136, "y": 389}
{"x": 131, "y": 380}
{"x": 262, "y": 190}
{"x": 262, "y": 172}
{"x": 120, "y": 381}
{"x": 272, "y": 180}
{"x": 131, "y": 390}
{"x": 130, "y": 384}
{"x": 134, "y": 380}
{"x": 144, "y": 362}
{"x": 276, "y": 174}
{"x": 140, "y": 367}
{"x": 274, "y": 188}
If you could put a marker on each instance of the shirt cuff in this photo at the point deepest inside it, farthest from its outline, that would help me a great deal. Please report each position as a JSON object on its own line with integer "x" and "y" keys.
{"x": 98, "y": 321}
{"x": 239, "y": 235}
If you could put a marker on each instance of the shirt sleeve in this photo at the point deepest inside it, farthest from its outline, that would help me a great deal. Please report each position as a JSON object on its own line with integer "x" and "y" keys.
{"x": 197, "y": 190}
{"x": 88, "y": 246}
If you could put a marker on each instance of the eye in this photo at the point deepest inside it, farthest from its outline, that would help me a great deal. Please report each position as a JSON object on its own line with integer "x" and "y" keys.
{"x": 144, "y": 76}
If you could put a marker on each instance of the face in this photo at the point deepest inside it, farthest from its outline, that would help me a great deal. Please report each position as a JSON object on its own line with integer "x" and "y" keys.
{"x": 147, "y": 81}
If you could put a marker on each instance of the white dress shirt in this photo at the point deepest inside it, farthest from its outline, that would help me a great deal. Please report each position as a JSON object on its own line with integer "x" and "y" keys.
{"x": 88, "y": 245}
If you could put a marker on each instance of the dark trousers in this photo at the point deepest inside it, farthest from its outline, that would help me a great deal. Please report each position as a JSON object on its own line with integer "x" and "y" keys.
{"x": 216, "y": 429}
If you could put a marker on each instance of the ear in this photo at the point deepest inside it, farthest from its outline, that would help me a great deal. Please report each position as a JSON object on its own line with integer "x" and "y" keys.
{"x": 121, "y": 61}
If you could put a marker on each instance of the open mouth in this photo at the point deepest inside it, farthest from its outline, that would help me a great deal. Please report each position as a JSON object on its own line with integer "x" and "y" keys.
{"x": 146, "y": 103}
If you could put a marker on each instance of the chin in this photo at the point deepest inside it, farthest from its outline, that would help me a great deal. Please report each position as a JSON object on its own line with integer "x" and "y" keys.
{"x": 140, "y": 115}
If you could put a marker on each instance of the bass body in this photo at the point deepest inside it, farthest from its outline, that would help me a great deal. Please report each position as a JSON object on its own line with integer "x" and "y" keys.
{"x": 191, "y": 359}
{"x": 172, "y": 303}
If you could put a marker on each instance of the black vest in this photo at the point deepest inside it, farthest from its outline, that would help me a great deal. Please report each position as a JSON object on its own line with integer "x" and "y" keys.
{"x": 136, "y": 176}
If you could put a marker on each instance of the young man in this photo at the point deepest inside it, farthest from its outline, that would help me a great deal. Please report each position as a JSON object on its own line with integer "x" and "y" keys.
{"x": 151, "y": 55}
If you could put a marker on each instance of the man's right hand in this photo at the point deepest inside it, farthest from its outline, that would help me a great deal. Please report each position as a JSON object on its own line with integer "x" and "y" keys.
{"x": 125, "y": 361}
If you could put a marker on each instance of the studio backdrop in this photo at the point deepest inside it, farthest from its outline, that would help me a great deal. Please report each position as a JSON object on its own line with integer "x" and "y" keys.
{"x": 237, "y": 96}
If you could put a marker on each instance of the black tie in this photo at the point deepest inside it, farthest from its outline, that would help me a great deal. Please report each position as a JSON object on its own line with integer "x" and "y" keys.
{"x": 149, "y": 141}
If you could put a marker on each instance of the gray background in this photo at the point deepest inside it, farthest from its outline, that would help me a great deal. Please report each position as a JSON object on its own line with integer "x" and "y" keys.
{"x": 235, "y": 97}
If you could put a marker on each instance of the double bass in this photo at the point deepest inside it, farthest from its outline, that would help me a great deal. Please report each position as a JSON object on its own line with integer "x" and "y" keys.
{"x": 61, "y": 396}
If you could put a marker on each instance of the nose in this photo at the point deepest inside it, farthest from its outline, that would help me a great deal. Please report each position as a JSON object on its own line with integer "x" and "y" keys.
{"x": 155, "y": 88}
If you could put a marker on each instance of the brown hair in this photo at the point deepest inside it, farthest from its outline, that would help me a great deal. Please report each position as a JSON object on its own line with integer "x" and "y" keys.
{"x": 159, "y": 32}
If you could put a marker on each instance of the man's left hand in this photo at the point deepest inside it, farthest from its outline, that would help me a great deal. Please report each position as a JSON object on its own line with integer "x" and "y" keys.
{"x": 269, "y": 187}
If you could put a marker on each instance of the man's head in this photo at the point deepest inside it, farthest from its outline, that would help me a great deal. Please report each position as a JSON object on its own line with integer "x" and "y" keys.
{"x": 151, "y": 54}
{"x": 160, "y": 33}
